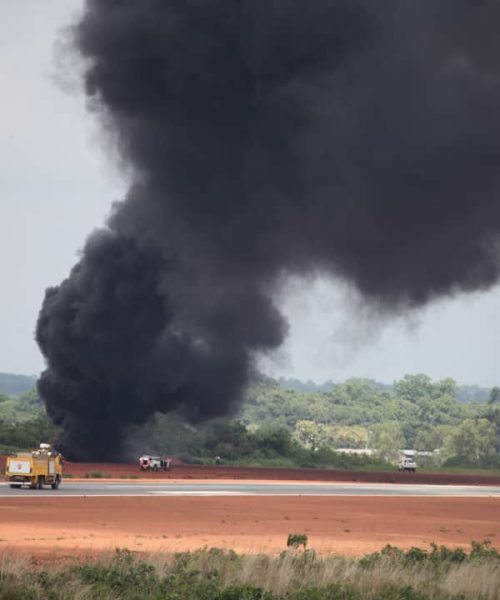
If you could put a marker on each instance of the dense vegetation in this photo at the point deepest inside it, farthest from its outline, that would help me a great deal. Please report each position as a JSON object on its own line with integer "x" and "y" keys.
{"x": 283, "y": 426}
{"x": 392, "y": 574}
{"x": 23, "y": 422}
{"x": 280, "y": 426}
{"x": 414, "y": 401}
{"x": 268, "y": 445}
{"x": 413, "y": 413}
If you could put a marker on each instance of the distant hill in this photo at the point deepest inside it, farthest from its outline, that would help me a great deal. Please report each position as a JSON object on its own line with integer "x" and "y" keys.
{"x": 15, "y": 385}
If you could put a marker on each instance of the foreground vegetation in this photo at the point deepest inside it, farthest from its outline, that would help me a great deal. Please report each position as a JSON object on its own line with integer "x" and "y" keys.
{"x": 212, "y": 574}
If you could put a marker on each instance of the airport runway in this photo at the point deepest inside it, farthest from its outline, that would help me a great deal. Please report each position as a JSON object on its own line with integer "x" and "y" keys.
{"x": 216, "y": 488}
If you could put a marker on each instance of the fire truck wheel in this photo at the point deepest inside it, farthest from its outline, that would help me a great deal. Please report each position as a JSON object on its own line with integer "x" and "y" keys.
{"x": 155, "y": 468}
{"x": 55, "y": 485}
{"x": 40, "y": 482}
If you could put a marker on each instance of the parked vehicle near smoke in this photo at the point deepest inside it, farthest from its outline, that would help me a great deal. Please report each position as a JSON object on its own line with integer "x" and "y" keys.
{"x": 37, "y": 468}
{"x": 407, "y": 462}
{"x": 154, "y": 463}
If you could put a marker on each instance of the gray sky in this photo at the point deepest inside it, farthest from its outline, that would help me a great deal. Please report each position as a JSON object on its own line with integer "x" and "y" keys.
{"x": 56, "y": 186}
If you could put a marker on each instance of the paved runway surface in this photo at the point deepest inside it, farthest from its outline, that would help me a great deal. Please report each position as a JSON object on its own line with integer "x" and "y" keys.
{"x": 74, "y": 489}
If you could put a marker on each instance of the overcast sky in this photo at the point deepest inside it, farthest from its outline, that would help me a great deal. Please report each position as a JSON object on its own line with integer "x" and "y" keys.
{"x": 56, "y": 185}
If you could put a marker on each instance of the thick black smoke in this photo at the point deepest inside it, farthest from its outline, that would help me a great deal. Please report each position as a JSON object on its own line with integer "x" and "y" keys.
{"x": 267, "y": 138}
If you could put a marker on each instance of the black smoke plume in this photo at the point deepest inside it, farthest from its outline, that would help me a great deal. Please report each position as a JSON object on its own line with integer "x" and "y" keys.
{"x": 267, "y": 138}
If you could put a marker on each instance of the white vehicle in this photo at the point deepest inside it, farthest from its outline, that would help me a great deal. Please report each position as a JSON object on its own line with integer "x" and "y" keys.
{"x": 154, "y": 463}
{"x": 407, "y": 464}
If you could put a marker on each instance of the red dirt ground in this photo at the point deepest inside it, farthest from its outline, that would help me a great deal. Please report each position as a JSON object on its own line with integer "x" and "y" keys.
{"x": 346, "y": 525}
{"x": 180, "y": 471}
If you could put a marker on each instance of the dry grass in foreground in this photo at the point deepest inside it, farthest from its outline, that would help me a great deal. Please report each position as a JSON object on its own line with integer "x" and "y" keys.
{"x": 208, "y": 574}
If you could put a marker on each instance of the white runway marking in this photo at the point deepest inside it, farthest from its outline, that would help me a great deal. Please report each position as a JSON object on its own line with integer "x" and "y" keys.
{"x": 197, "y": 493}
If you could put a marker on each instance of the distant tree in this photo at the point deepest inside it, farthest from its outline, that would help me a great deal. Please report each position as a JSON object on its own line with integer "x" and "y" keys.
{"x": 433, "y": 438}
{"x": 311, "y": 435}
{"x": 494, "y": 395}
{"x": 474, "y": 440}
{"x": 492, "y": 413}
{"x": 414, "y": 387}
{"x": 28, "y": 434}
{"x": 229, "y": 440}
{"x": 446, "y": 387}
{"x": 388, "y": 439}
{"x": 272, "y": 441}
{"x": 349, "y": 437}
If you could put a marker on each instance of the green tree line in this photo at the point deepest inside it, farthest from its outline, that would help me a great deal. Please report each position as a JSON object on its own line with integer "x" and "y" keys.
{"x": 24, "y": 423}
{"x": 414, "y": 412}
{"x": 278, "y": 425}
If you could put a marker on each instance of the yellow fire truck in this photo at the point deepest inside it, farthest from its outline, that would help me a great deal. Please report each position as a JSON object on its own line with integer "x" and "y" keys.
{"x": 37, "y": 468}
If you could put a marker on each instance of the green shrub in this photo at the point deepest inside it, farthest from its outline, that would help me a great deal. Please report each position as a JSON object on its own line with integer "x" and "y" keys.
{"x": 481, "y": 550}
{"x": 443, "y": 554}
{"x": 439, "y": 555}
{"x": 123, "y": 575}
{"x": 245, "y": 592}
{"x": 295, "y": 540}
